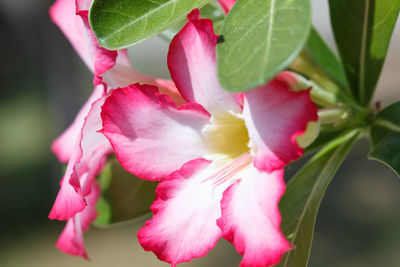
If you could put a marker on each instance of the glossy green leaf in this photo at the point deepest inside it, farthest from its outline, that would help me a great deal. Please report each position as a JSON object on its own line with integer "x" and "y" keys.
{"x": 123, "y": 196}
{"x": 385, "y": 137}
{"x": 362, "y": 30}
{"x": 211, "y": 11}
{"x": 324, "y": 56}
{"x": 120, "y": 23}
{"x": 304, "y": 192}
{"x": 261, "y": 38}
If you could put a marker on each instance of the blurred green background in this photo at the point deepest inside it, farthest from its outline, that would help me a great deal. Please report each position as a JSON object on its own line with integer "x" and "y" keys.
{"x": 43, "y": 83}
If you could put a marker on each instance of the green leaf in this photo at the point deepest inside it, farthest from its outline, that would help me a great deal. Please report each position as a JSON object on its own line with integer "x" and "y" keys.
{"x": 362, "y": 30}
{"x": 324, "y": 56}
{"x": 211, "y": 11}
{"x": 123, "y": 196}
{"x": 304, "y": 192}
{"x": 385, "y": 137}
{"x": 120, "y": 23}
{"x": 261, "y": 38}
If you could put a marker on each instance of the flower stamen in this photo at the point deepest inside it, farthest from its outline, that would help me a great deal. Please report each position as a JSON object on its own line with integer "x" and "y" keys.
{"x": 230, "y": 170}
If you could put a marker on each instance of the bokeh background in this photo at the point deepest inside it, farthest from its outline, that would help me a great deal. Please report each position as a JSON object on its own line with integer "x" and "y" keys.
{"x": 43, "y": 83}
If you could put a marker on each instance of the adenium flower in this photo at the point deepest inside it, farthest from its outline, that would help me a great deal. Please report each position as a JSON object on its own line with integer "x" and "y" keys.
{"x": 219, "y": 156}
{"x": 71, "y": 238}
{"x": 81, "y": 145}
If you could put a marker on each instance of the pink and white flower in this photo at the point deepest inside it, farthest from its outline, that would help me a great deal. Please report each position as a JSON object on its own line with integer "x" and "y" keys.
{"x": 219, "y": 156}
{"x": 81, "y": 145}
{"x": 71, "y": 238}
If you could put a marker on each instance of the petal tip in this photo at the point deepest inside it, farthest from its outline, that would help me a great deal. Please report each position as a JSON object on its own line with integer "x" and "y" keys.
{"x": 194, "y": 15}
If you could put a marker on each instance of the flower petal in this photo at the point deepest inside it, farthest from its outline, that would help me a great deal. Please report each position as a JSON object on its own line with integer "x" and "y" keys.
{"x": 251, "y": 218}
{"x": 274, "y": 116}
{"x": 64, "y": 145}
{"x": 192, "y": 64}
{"x": 69, "y": 199}
{"x": 150, "y": 136}
{"x": 226, "y": 5}
{"x": 94, "y": 148}
{"x": 90, "y": 213}
{"x": 73, "y": 21}
{"x": 87, "y": 160}
{"x": 63, "y": 14}
{"x": 111, "y": 67}
{"x": 83, "y": 5}
{"x": 71, "y": 238}
{"x": 185, "y": 211}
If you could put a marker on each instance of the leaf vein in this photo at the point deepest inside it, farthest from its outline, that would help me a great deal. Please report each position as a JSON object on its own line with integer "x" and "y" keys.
{"x": 138, "y": 19}
{"x": 269, "y": 35}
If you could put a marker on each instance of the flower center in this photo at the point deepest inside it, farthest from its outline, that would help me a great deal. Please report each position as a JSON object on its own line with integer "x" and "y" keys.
{"x": 226, "y": 137}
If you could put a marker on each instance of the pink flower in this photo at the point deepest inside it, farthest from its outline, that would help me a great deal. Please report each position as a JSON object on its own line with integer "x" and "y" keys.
{"x": 71, "y": 238}
{"x": 81, "y": 145}
{"x": 219, "y": 156}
